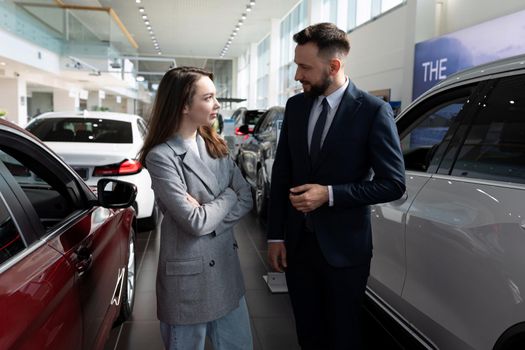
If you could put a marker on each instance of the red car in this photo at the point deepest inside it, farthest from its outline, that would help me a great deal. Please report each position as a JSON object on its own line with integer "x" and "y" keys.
{"x": 67, "y": 256}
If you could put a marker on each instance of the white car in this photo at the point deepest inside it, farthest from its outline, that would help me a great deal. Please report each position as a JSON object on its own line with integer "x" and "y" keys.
{"x": 101, "y": 144}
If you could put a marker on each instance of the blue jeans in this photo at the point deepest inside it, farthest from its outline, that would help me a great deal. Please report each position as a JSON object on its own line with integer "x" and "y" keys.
{"x": 230, "y": 332}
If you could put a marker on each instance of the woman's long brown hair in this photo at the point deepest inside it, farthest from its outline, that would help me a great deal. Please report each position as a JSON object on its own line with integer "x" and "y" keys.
{"x": 176, "y": 90}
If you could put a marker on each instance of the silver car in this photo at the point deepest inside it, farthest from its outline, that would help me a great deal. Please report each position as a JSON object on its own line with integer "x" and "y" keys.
{"x": 449, "y": 257}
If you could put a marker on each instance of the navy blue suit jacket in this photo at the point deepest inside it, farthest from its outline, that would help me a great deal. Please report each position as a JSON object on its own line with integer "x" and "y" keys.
{"x": 361, "y": 158}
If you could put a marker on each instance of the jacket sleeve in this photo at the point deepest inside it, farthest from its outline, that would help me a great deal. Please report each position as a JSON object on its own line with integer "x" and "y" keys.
{"x": 172, "y": 193}
{"x": 386, "y": 158}
{"x": 244, "y": 198}
{"x": 280, "y": 184}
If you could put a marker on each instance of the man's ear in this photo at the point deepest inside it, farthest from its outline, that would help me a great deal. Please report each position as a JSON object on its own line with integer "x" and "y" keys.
{"x": 335, "y": 66}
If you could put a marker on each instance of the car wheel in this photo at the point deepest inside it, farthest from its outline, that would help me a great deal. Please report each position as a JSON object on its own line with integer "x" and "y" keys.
{"x": 149, "y": 223}
{"x": 261, "y": 200}
{"x": 128, "y": 292}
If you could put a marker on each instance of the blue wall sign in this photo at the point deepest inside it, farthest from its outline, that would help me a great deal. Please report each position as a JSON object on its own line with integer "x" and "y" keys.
{"x": 437, "y": 58}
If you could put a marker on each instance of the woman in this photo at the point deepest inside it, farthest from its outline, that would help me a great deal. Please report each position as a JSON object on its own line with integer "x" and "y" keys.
{"x": 202, "y": 194}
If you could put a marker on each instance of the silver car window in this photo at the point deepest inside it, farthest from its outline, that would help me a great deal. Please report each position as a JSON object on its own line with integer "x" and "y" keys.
{"x": 494, "y": 148}
{"x": 420, "y": 143}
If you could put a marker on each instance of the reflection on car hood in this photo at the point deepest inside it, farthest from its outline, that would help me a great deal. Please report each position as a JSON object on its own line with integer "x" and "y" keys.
{"x": 94, "y": 153}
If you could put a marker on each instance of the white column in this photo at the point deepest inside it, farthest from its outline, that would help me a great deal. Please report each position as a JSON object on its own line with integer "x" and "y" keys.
{"x": 275, "y": 48}
{"x": 252, "y": 95}
{"x": 130, "y": 106}
{"x": 94, "y": 101}
{"x": 13, "y": 100}
{"x": 65, "y": 100}
{"x": 234, "y": 78}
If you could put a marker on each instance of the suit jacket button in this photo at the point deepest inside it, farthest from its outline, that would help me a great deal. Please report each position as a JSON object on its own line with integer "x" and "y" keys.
{"x": 212, "y": 263}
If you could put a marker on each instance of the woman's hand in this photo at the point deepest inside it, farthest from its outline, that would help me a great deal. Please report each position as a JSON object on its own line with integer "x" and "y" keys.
{"x": 192, "y": 200}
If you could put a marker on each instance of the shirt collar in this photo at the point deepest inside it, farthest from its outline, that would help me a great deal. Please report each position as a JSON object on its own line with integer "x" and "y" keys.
{"x": 335, "y": 97}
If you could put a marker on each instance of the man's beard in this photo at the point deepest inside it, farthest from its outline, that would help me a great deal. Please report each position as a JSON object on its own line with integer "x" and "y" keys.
{"x": 320, "y": 88}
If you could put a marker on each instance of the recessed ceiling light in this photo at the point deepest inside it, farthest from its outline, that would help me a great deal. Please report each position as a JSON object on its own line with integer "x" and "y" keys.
{"x": 141, "y": 9}
{"x": 138, "y": 1}
{"x": 234, "y": 33}
{"x": 248, "y": 8}
{"x": 252, "y": 2}
{"x": 147, "y": 22}
{"x": 160, "y": 53}
{"x": 240, "y": 23}
{"x": 139, "y": 78}
{"x": 144, "y": 16}
{"x": 243, "y": 16}
{"x": 149, "y": 27}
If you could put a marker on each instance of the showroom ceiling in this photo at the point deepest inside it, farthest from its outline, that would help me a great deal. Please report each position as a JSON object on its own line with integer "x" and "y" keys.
{"x": 195, "y": 28}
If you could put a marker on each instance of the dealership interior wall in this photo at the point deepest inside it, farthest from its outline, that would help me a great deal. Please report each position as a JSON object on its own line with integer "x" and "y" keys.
{"x": 34, "y": 79}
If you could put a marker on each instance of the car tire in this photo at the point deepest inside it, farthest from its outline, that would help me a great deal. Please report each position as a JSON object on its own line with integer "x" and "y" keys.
{"x": 149, "y": 223}
{"x": 261, "y": 196}
{"x": 129, "y": 286}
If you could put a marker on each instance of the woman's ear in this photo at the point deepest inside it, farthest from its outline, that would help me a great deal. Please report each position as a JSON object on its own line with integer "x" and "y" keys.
{"x": 185, "y": 109}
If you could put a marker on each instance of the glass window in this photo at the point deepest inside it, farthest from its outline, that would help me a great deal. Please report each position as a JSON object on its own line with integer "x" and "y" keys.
{"x": 48, "y": 194}
{"x": 11, "y": 242}
{"x": 363, "y": 11}
{"x": 388, "y": 4}
{"x": 265, "y": 122}
{"x": 494, "y": 148}
{"x": 142, "y": 128}
{"x": 93, "y": 130}
{"x": 263, "y": 70}
{"x": 291, "y": 24}
{"x": 329, "y": 11}
{"x": 420, "y": 144}
{"x": 351, "y": 14}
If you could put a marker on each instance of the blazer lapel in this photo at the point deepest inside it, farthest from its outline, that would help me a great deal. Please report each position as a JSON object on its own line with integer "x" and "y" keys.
{"x": 346, "y": 111}
{"x": 194, "y": 163}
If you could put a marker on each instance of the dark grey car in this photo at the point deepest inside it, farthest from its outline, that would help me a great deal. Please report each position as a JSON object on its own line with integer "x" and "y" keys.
{"x": 449, "y": 261}
{"x": 257, "y": 154}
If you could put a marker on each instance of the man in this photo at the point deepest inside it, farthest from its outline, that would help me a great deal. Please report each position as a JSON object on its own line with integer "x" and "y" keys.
{"x": 338, "y": 153}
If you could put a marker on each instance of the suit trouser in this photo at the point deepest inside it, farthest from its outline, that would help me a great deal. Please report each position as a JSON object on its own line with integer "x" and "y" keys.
{"x": 326, "y": 300}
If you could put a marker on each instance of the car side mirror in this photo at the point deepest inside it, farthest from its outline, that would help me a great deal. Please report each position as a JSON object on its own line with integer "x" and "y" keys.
{"x": 244, "y": 129}
{"x": 115, "y": 193}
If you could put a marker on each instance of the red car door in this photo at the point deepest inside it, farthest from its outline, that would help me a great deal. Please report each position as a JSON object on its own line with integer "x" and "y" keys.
{"x": 84, "y": 237}
{"x": 39, "y": 300}
{"x": 92, "y": 245}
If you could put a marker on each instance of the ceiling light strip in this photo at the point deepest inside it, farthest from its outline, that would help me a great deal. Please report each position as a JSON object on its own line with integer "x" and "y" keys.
{"x": 237, "y": 27}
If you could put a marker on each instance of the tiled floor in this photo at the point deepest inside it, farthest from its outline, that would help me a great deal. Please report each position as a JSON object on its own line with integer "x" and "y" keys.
{"x": 271, "y": 314}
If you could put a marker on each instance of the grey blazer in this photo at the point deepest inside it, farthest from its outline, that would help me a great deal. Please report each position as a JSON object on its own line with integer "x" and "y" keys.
{"x": 199, "y": 277}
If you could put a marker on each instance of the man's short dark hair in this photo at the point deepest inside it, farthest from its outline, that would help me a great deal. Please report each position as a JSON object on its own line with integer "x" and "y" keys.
{"x": 330, "y": 40}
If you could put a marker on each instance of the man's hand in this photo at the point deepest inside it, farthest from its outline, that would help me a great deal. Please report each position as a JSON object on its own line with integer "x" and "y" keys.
{"x": 307, "y": 198}
{"x": 277, "y": 256}
{"x": 192, "y": 200}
